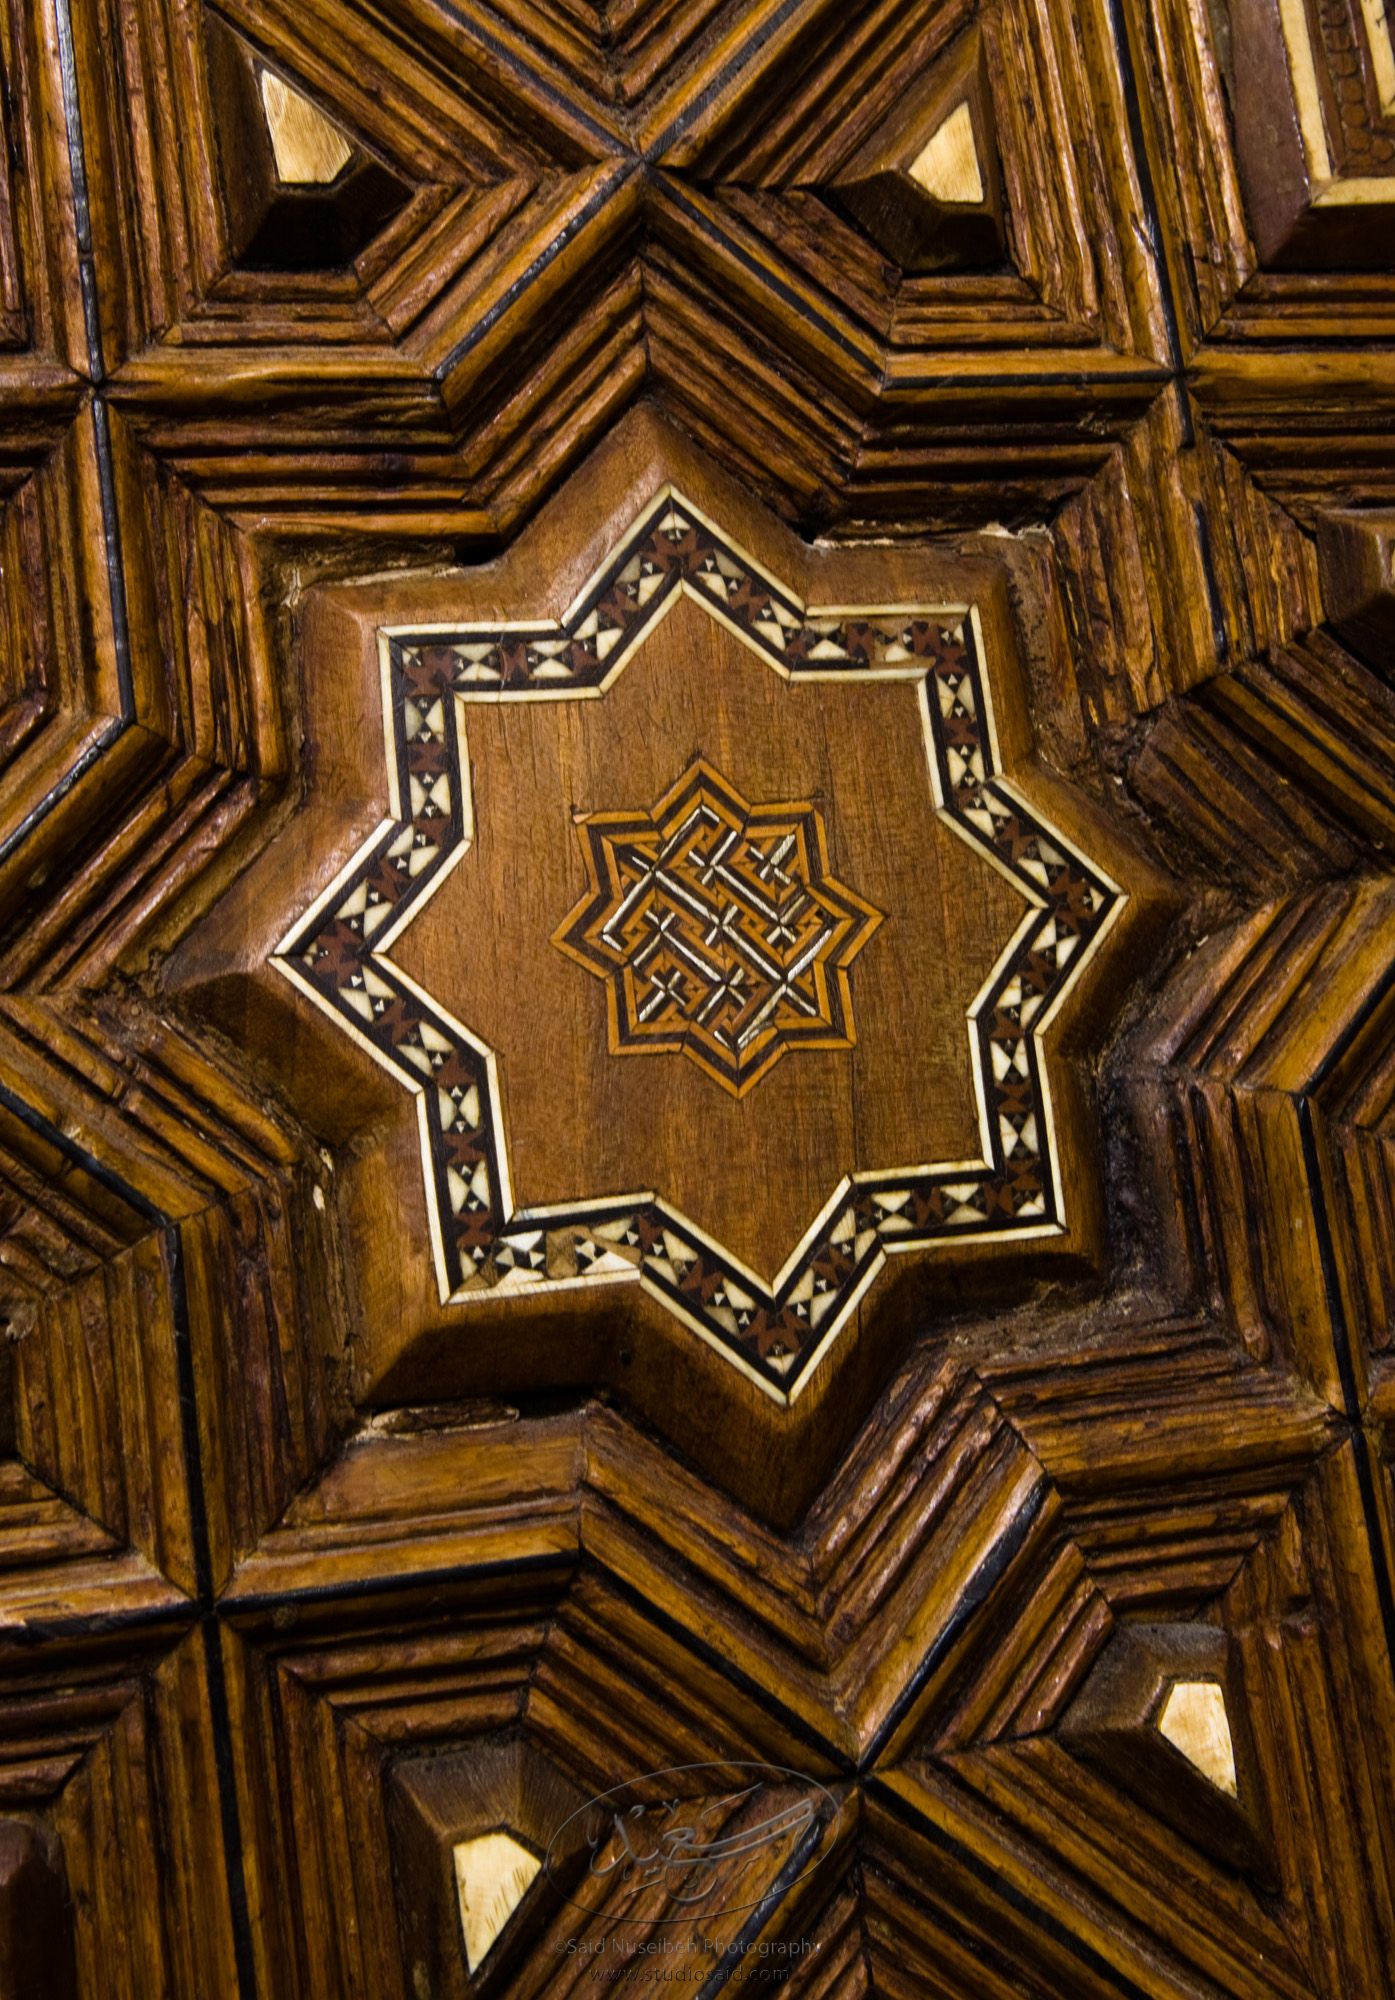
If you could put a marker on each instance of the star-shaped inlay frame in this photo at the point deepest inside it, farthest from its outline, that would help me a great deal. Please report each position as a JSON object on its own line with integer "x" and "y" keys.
{"x": 339, "y": 953}
{"x": 719, "y": 929}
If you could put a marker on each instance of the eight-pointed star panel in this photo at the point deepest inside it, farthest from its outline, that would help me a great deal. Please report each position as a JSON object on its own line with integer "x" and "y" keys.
{"x": 832, "y": 763}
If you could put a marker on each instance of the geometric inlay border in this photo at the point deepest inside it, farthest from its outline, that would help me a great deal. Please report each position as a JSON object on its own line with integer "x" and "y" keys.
{"x": 338, "y": 952}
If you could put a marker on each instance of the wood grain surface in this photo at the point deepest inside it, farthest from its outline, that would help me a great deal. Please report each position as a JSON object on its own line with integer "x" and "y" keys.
{"x": 920, "y": 1514}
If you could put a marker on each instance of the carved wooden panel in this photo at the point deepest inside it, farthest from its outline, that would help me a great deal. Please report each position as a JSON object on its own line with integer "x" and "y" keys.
{"x": 697, "y": 1223}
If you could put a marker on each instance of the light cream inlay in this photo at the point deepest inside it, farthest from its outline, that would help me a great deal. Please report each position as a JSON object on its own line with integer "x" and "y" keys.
{"x": 493, "y": 1873}
{"x": 309, "y": 148}
{"x": 1382, "y": 52}
{"x": 948, "y": 166}
{"x": 1194, "y": 1721}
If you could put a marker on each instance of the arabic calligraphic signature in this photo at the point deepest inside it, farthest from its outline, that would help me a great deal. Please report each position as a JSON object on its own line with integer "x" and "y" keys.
{"x": 709, "y": 1837}
{"x": 682, "y": 1848}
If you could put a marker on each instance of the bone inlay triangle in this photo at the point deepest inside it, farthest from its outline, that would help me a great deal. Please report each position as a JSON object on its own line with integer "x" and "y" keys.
{"x": 1193, "y": 1719}
{"x": 948, "y": 166}
{"x": 309, "y": 149}
{"x": 493, "y": 1873}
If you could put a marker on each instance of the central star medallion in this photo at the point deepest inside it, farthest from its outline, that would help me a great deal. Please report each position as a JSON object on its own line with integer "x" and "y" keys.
{"x": 719, "y": 928}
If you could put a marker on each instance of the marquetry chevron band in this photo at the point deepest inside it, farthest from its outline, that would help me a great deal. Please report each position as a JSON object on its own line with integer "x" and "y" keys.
{"x": 338, "y": 954}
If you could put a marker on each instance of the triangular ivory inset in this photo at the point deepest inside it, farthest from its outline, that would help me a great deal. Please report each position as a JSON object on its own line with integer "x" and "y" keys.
{"x": 1161, "y": 1715}
{"x": 493, "y": 1873}
{"x": 299, "y": 193}
{"x": 470, "y": 1829}
{"x": 308, "y": 147}
{"x": 948, "y": 166}
{"x": 1193, "y": 1719}
{"x": 925, "y": 185}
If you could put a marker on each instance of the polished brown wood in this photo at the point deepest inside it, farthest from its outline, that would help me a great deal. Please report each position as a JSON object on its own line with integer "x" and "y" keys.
{"x": 909, "y": 1483}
